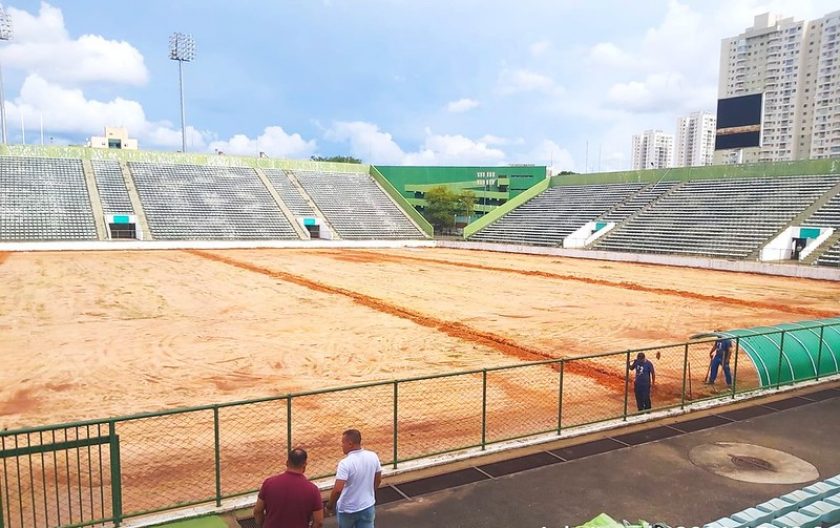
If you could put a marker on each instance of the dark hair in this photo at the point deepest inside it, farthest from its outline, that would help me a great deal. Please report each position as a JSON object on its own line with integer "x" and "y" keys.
{"x": 354, "y": 436}
{"x": 641, "y": 355}
{"x": 297, "y": 458}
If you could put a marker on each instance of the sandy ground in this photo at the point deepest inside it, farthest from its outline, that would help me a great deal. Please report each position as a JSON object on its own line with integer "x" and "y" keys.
{"x": 98, "y": 334}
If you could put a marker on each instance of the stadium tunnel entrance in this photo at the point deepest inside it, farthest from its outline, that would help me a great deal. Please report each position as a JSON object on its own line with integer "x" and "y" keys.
{"x": 789, "y": 352}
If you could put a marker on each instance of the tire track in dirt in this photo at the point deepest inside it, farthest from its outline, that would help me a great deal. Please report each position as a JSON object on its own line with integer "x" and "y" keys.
{"x": 452, "y": 329}
{"x": 624, "y": 285}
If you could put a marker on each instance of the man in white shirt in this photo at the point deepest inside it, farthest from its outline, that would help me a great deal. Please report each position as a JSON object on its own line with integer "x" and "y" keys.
{"x": 358, "y": 475}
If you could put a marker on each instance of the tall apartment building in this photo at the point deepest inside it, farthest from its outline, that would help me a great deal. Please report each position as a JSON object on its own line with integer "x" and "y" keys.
{"x": 695, "y": 140}
{"x": 796, "y": 65}
{"x": 653, "y": 149}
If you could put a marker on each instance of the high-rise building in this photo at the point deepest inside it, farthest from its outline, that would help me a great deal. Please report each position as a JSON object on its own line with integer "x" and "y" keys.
{"x": 695, "y": 140}
{"x": 653, "y": 149}
{"x": 795, "y": 65}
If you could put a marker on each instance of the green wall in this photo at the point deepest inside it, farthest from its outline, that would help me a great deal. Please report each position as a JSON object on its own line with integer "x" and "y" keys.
{"x": 518, "y": 178}
{"x": 784, "y": 168}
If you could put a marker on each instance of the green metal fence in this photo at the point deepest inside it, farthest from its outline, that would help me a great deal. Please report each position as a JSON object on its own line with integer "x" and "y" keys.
{"x": 98, "y": 473}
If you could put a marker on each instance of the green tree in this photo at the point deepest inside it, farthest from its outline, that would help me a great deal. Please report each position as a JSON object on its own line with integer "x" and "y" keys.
{"x": 443, "y": 205}
{"x": 336, "y": 159}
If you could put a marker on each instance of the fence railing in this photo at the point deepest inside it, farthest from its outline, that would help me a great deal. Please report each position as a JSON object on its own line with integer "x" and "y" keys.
{"x": 100, "y": 472}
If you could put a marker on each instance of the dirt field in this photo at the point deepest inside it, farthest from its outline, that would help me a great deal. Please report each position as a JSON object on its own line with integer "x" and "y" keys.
{"x": 97, "y": 334}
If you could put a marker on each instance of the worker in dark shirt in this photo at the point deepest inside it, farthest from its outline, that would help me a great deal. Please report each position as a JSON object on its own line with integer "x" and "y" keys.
{"x": 645, "y": 378}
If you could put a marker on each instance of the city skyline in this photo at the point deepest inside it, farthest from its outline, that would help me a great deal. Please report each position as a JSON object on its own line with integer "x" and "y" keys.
{"x": 388, "y": 81}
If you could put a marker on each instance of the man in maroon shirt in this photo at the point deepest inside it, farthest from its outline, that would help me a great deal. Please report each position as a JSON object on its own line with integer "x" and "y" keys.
{"x": 289, "y": 500}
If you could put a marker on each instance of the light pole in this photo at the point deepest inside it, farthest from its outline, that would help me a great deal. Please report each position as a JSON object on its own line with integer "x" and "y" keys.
{"x": 5, "y": 35}
{"x": 182, "y": 49}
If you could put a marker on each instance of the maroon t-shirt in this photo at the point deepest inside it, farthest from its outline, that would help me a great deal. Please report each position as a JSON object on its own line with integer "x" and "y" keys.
{"x": 289, "y": 500}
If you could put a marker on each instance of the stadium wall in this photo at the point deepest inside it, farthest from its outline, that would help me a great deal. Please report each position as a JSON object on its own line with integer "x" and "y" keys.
{"x": 499, "y": 212}
{"x": 409, "y": 209}
{"x": 712, "y": 172}
{"x": 215, "y": 160}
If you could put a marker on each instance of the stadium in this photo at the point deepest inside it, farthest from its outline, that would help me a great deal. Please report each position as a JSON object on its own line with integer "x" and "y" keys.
{"x": 235, "y": 307}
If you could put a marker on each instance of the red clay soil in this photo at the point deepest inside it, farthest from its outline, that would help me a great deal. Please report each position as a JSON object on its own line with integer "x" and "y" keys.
{"x": 3, "y": 256}
{"x": 625, "y": 285}
{"x": 453, "y": 329}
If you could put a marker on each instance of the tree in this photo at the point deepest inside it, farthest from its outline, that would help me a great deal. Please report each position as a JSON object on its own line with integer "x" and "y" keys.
{"x": 443, "y": 205}
{"x": 336, "y": 159}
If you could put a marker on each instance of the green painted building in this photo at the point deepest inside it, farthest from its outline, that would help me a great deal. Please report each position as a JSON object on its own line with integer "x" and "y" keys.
{"x": 492, "y": 186}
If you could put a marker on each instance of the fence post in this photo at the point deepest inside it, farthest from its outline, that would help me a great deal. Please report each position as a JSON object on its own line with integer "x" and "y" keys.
{"x": 396, "y": 396}
{"x": 626, "y": 384}
{"x": 685, "y": 376}
{"x": 289, "y": 423}
{"x": 559, "y": 398}
{"x": 735, "y": 372}
{"x": 781, "y": 355}
{"x": 2, "y": 515}
{"x": 116, "y": 474}
{"x": 217, "y": 449}
{"x": 483, "y": 409}
{"x": 819, "y": 357}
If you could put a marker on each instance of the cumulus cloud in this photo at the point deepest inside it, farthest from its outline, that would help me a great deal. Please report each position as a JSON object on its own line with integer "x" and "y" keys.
{"x": 550, "y": 154}
{"x": 68, "y": 110}
{"x": 513, "y": 81}
{"x": 370, "y": 143}
{"x": 462, "y": 105}
{"x": 610, "y": 55}
{"x": 41, "y": 45}
{"x": 490, "y": 139}
{"x": 274, "y": 141}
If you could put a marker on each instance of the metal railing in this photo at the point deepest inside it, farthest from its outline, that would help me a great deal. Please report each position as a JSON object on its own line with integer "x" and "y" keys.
{"x": 97, "y": 473}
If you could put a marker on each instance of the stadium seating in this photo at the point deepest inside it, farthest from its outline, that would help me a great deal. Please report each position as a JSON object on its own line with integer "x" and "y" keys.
{"x": 356, "y": 207}
{"x": 828, "y": 216}
{"x": 197, "y": 202}
{"x": 112, "y": 190}
{"x": 831, "y": 257}
{"x": 724, "y": 218}
{"x": 638, "y": 201}
{"x": 810, "y": 507}
{"x": 290, "y": 194}
{"x": 553, "y": 215}
{"x": 44, "y": 199}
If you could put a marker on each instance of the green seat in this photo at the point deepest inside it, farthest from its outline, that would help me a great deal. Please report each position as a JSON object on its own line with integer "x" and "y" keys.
{"x": 826, "y": 511}
{"x": 797, "y": 519}
{"x": 752, "y": 516}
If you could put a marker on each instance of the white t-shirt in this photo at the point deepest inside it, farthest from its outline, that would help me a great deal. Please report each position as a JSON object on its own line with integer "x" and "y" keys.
{"x": 358, "y": 470}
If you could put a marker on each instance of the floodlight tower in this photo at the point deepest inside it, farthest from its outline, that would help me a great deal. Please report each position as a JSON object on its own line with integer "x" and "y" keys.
{"x": 5, "y": 35}
{"x": 182, "y": 49}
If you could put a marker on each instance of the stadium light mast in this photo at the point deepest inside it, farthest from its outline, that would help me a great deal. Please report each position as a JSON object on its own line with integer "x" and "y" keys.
{"x": 182, "y": 49}
{"x": 5, "y": 35}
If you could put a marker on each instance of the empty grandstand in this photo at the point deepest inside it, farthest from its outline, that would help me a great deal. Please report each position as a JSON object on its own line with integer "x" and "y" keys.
{"x": 112, "y": 190}
{"x": 356, "y": 207}
{"x": 724, "y": 218}
{"x": 194, "y": 202}
{"x": 44, "y": 199}
{"x": 556, "y": 213}
{"x": 288, "y": 192}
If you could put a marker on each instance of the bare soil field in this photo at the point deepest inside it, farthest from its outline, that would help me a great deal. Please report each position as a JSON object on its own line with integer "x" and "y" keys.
{"x": 97, "y": 334}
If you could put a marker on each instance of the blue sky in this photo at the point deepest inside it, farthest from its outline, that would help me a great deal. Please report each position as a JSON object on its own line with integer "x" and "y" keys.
{"x": 390, "y": 81}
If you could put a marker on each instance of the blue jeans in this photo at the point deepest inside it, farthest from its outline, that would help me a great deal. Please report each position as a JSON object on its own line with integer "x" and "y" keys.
{"x": 716, "y": 363}
{"x": 359, "y": 519}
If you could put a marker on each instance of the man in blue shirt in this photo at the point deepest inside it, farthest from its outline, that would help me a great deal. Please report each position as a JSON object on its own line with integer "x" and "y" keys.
{"x": 719, "y": 354}
{"x": 645, "y": 378}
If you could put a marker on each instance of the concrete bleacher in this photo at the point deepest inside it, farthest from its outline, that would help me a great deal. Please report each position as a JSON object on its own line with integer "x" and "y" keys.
{"x": 112, "y": 190}
{"x": 828, "y": 215}
{"x": 290, "y": 194}
{"x": 813, "y": 506}
{"x": 190, "y": 202}
{"x": 638, "y": 201}
{"x": 553, "y": 215}
{"x": 724, "y": 218}
{"x": 356, "y": 207}
{"x": 44, "y": 199}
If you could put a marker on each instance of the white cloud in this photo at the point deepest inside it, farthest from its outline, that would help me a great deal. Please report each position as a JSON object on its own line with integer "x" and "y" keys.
{"x": 550, "y": 154}
{"x": 454, "y": 150}
{"x": 373, "y": 145}
{"x": 608, "y": 54}
{"x": 538, "y": 48}
{"x": 661, "y": 92}
{"x": 462, "y": 105}
{"x": 274, "y": 141}
{"x": 41, "y": 45}
{"x": 522, "y": 81}
{"x": 490, "y": 139}
{"x": 67, "y": 110}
